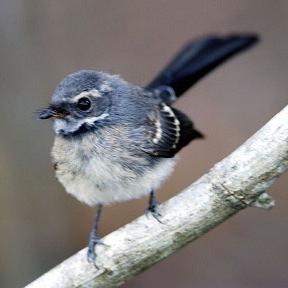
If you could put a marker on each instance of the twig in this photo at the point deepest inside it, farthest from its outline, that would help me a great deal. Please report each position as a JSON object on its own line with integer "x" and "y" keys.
{"x": 231, "y": 185}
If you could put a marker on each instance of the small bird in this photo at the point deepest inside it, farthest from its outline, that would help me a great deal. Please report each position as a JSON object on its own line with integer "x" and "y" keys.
{"x": 116, "y": 141}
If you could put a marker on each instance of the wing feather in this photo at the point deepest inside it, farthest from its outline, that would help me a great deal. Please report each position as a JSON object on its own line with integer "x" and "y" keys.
{"x": 169, "y": 131}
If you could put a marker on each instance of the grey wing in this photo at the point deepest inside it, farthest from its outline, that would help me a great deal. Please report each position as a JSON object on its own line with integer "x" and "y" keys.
{"x": 167, "y": 131}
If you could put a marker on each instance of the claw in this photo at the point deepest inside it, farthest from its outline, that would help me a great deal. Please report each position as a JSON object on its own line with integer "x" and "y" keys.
{"x": 91, "y": 254}
{"x": 155, "y": 213}
{"x": 153, "y": 208}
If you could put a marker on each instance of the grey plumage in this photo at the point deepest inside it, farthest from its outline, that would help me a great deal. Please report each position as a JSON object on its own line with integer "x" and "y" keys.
{"x": 112, "y": 158}
{"x": 116, "y": 141}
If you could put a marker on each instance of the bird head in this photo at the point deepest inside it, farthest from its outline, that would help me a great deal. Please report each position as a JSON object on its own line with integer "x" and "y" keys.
{"x": 81, "y": 101}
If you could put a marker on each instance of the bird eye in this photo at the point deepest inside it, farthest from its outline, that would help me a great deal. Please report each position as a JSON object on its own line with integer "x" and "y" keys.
{"x": 84, "y": 104}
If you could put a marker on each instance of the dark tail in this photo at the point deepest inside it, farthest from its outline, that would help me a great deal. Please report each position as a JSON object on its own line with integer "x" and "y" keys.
{"x": 198, "y": 58}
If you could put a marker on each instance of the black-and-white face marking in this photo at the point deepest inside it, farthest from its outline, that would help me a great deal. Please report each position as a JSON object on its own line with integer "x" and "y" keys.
{"x": 85, "y": 109}
{"x": 82, "y": 101}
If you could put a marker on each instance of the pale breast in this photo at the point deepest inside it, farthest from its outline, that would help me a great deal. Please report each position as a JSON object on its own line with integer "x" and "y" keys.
{"x": 96, "y": 172}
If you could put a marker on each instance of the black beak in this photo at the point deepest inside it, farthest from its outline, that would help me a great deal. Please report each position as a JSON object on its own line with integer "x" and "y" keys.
{"x": 52, "y": 112}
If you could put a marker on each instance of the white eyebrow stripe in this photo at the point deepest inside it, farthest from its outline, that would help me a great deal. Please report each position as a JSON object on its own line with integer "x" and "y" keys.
{"x": 93, "y": 93}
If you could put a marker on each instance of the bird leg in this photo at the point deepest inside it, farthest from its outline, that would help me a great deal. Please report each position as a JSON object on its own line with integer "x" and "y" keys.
{"x": 153, "y": 206}
{"x": 94, "y": 239}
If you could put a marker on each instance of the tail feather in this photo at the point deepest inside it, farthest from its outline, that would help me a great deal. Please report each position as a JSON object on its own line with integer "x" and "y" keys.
{"x": 198, "y": 58}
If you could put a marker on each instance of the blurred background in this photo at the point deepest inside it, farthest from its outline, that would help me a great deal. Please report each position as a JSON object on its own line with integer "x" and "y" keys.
{"x": 42, "y": 41}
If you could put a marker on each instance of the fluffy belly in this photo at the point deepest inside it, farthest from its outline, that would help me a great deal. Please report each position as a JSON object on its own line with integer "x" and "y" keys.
{"x": 104, "y": 182}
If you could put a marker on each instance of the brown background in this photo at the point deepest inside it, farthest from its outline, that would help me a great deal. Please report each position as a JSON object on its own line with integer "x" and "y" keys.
{"x": 42, "y": 41}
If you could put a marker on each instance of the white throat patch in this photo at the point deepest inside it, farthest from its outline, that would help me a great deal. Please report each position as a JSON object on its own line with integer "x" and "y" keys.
{"x": 72, "y": 125}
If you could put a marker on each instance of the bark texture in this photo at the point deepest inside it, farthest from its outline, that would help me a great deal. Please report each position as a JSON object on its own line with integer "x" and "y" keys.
{"x": 231, "y": 185}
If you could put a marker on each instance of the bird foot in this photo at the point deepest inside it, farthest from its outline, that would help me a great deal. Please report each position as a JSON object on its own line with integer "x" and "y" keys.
{"x": 153, "y": 209}
{"x": 91, "y": 254}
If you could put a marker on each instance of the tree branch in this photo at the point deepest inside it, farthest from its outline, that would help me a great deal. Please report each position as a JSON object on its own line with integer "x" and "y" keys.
{"x": 231, "y": 185}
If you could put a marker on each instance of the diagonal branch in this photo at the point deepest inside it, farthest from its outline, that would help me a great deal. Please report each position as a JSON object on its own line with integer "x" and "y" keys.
{"x": 231, "y": 185}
